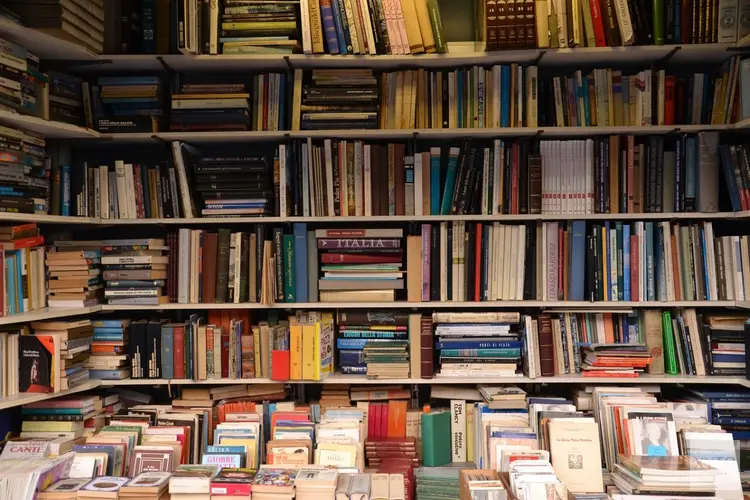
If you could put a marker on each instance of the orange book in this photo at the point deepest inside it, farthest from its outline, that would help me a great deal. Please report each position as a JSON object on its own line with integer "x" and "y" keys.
{"x": 609, "y": 331}
{"x": 607, "y": 374}
{"x": 676, "y": 269}
{"x": 397, "y": 419}
{"x": 669, "y": 94}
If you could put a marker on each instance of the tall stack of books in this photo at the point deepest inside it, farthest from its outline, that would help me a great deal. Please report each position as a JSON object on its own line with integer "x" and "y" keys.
{"x": 200, "y": 107}
{"x": 22, "y": 83}
{"x": 478, "y": 344}
{"x": 109, "y": 356}
{"x": 373, "y": 345}
{"x": 80, "y": 24}
{"x": 615, "y": 360}
{"x": 335, "y": 99}
{"x": 725, "y": 341}
{"x": 135, "y": 255}
{"x": 22, "y": 283}
{"x": 257, "y": 27}
{"x": 74, "y": 339}
{"x": 234, "y": 185}
{"x": 66, "y": 99}
{"x": 74, "y": 274}
{"x": 357, "y": 264}
{"x": 127, "y": 104}
{"x": 25, "y": 177}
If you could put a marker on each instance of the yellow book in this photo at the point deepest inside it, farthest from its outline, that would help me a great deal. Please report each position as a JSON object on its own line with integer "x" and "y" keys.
{"x": 411, "y": 21}
{"x": 325, "y": 340}
{"x": 308, "y": 351}
{"x": 256, "y": 351}
{"x": 469, "y": 432}
{"x": 260, "y": 26}
{"x": 251, "y": 447}
{"x": 316, "y": 351}
{"x": 41, "y": 426}
{"x": 295, "y": 355}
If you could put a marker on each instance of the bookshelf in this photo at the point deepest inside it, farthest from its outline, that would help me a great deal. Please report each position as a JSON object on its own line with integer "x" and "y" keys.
{"x": 32, "y": 397}
{"x": 47, "y": 313}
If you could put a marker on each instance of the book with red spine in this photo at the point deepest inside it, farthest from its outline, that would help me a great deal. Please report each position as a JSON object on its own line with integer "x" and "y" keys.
{"x": 478, "y": 263}
{"x": 596, "y": 18}
{"x": 178, "y": 350}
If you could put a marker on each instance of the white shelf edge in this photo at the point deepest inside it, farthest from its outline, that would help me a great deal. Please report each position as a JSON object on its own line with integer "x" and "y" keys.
{"x": 339, "y": 378}
{"x": 33, "y": 397}
{"x": 48, "y": 219}
{"x": 47, "y": 313}
{"x": 49, "y": 128}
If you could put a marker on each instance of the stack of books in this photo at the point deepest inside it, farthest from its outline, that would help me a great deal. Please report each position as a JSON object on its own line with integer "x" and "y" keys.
{"x": 362, "y": 337}
{"x": 315, "y": 481}
{"x": 664, "y": 475}
{"x": 191, "y": 480}
{"x": 357, "y": 264}
{"x": 729, "y": 409}
{"x": 82, "y": 25}
{"x": 74, "y": 277}
{"x": 232, "y": 482}
{"x": 380, "y": 451}
{"x": 614, "y": 360}
{"x": 127, "y": 104}
{"x": 257, "y": 27}
{"x": 65, "y": 415}
{"x": 238, "y": 186}
{"x": 335, "y": 99}
{"x": 725, "y": 342}
{"x": 436, "y": 483}
{"x": 135, "y": 255}
{"x": 273, "y": 483}
{"x": 75, "y": 339}
{"x": 26, "y": 174}
{"x": 109, "y": 356}
{"x": 65, "y": 489}
{"x": 66, "y": 99}
{"x": 478, "y": 344}
{"x": 22, "y": 251}
{"x": 201, "y": 107}
{"x": 146, "y": 486}
{"x": 22, "y": 85}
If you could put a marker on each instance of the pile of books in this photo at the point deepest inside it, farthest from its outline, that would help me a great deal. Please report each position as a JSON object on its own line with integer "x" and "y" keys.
{"x": 74, "y": 274}
{"x": 146, "y": 486}
{"x": 23, "y": 282}
{"x": 23, "y": 87}
{"x": 363, "y": 339}
{"x": 201, "y": 107}
{"x": 665, "y": 475}
{"x": 478, "y": 345}
{"x": 315, "y": 481}
{"x": 75, "y": 338}
{"x": 82, "y": 25}
{"x": 335, "y": 99}
{"x": 358, "y": 264}
{"x": 25, "y": 175}
{"x": 109, "y": 356}
{"x": 725, "y": 341}
{"x": 134, "y": 255}
{"x": 232, "y": 481}
{"x": 257, "y": 27}
{"x": 238, "y": 186}
{"x": 615, "y": 360}
{"x": 127, "y": 104}
{"x": 382, "y": 450}
{"x": 66, "y": 98}
{"x": 273, "y": 483}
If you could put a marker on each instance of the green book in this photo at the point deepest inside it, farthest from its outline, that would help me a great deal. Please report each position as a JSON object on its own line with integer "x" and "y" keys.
{"x": 437, "y": 26}
{"x": 670, "y": 359}
{"x": 436, "y": 448}
{"x": 658, "y": 13}
{"x": 289, "y": 291}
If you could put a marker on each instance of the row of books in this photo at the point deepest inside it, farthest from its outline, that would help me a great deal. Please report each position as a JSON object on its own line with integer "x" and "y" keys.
{"x": 22, "y": 280}
{"x": 25, "y": 89}
{"x": 25, "y": 177}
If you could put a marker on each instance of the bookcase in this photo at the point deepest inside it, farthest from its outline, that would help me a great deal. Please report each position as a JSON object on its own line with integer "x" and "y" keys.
{"x": 420, "y": 234}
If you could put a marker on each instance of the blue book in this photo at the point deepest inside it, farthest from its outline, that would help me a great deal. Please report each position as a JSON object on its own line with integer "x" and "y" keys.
{"x": 9, "y": 264}
{"x": 626, "y": 261}
{"x": 128, "y": 80}
{"x": 109, "y": 374}
{"x": 677, "y": 6}
{"x": 586, "y": 101}
{"x": 739, "y": 435}
{"x": 450, "y": 184}
{"x": 478, "y": 344}
{"x": 728, "y": 169}
{"x": 481, "y": 353}
{"x": 109, "y": 336}
{"x": 691, "y": 167}
{"x": 109, "y": 323}
{"x": 361, "y": 343}
{"x": 51, "y": 411}
{"x": 659, "y": 277}
{"x": 19, "y": 282}
{"x": 731, "y": 421}
{"x": 342, "y": 26}
{"x": 728, "y": 358}
{"x": 300, "y": 260}
{"x": 608, "y": 267}
{"x": 167, "y": 352}
{"x": 577, "y": 258}
{"x": 505, "y": 96}
{"x": 704, "y": 257}
{"x": 329, "y": 27}
{"x": 352, "y": 358}
{"x": 649, "y": 236}
{"x": 722, "y": 395}
{"x": 434, "y": 184}
{"x": 620, "y": 264}
{"x": 65, "y": 190}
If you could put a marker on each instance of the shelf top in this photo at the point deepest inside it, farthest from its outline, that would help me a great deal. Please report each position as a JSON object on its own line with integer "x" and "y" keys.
{"x": 33, "y": 397}
{"x": 43, "y": 45}
{"x": 50, "y": 129}
{"x": 47, "y": 313}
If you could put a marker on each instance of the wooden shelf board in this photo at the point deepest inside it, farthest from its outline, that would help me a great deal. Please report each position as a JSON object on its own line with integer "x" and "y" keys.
{"x": 47, "y": 313}
{"x": 47, "y": 219}
{"x": 50, "y": 129}
{"x": 33, "y": 397}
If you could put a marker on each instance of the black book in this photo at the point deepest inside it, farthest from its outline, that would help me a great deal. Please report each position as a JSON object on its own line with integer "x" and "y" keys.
{"x": 508, "y": 174}
{"x": 435, "y": 262}
{"x": 679, "y": 174}
{"x": 470, "y": 245}
{"x": 463, "y": 179}
{"x": 590, "y": 268}
{"x": 446, "y": 94}
{"x": 529, "y": 278}
{"x": 278, "y": 246}
{"x": 153, "y": 348}
{"x": 605, "y": 176}
{"x": 449, "y": 262}
{"x": 35, "y": 357}
{"x": 260, "y": 238}
{"x": 337, "y": 181}
{"x": 476, "y": 198}
{"x": 599, "y": 271}
{"x": 523, "y": 177}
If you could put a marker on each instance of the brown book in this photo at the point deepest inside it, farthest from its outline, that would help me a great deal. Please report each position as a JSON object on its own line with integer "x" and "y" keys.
{"x": 501, "y": 25}
{"x": 535, "y": 184}
{"x": 529, "y": 21}
{"x": 400, "y": 152}
{"x": 383, "y": 171}
{"x": 654, "y": 340}
{"x": 414, "y": 268}
{"x": 428, "y": 356}
{"x": 375, "y": 185}
{"x": 491, "y": 25}
{"x": 511, "y": 24}
{"x": 614, "y": 174}
{"x": 546, "y": 347}
{"x": 209, "y": 268}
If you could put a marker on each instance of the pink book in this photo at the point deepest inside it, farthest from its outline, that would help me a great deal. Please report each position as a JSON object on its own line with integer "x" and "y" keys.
{"x": 405, "y": 48}
{"x": 391, "y": 24}
{"x": 426, "y": 259}
{"x": 63, "y": 403}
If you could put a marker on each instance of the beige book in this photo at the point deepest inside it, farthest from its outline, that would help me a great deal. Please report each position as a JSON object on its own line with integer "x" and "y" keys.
{"x": 578, "y": 36}
{"x": 425, "y": 27}
{"x": 588, "y": 24}
{"x": 414, "y": 268}
{"x": 201, "y": 345}
{"x": 297, "y": 99}
{"x": 576, "y": 455}
{"x": 379, "y": 487}
{"x": 654, "y": 340}
{"x": 357, "y": 296}
{"x": 316, "y": 27}
{"x": 396, "y": 488}
{"x": 411, "y": 24}
{"x": 415, "y": 348}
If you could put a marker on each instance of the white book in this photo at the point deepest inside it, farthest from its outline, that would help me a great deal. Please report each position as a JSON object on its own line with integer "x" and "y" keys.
{"x": 305, "y": 26}
{"x": 739, "y": 282}
{"x": 418, "y": 199}
{"x": 458, "y": 431}
{"x": 130, "y": 180}
{"x": 521, "y": 261}
{"x": 358, "y": 179}
{"x": 624, "y": 22}
{"x": 367, "y": 21}
{"x": 743, "y": 250}
{"x": 183, "y": 257}
{"x": 532, "y": 77}
{"x": 495, "y": 109}
{"x": 729, "y": 275}
{"x": 185, "y": 197}
{"x": 104, "y": 192}
{"x": 513, "y": 277}
{"x": 194, "y": 265}
{"x": 507, "y": 243}
{"x": 667, "y": 252}
{"x": 498, "y": 155}
{"x": 443, "y": 261}
{"x": 122, "y": 190}
{"x": 491, "y": 260}
{"x": 237, "y": 265}
{"x": 343, "y": 186}
{"x": 502, "y": 259}
{"x": 367, "y": 181}
{"x": 728, "y": 21}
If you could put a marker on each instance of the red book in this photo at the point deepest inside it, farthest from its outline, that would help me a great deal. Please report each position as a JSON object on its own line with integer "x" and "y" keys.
{"x": 178, "y": 334}
{"x": 478, "y": 263}
{"x": 426, "y": 344}
{"x": 604, "y": 373}
{"x": 669, "y": 96}
{"x": 596, "y": 18}
{"x": 33, "y": 241}
{"x": 280, "y": 365}
{"x": 383, "y": 421}
{"x": 373, "y": 419}
{"x": 634, "y": 268}
{"x": 560, "y": 263}
{"x": 630, "y": 156}
{"x": 225, "y": 335}
{"x": 344, "y": 258}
